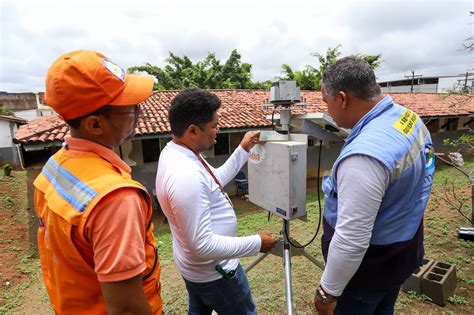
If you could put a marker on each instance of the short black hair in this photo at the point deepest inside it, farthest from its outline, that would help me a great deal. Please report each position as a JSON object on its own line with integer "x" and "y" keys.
{"x": 352, "y": 75}
{"x": 192, "y": 106}
{"x": 75, "y": 123}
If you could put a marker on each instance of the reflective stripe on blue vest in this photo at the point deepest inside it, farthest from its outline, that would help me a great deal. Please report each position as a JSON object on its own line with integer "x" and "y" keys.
{"x": 398, "y": 139}
{"x": 70, "y": 188}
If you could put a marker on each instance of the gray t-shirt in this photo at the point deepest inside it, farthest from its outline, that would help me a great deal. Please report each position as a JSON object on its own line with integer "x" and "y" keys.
{"x": 361, "y": 185}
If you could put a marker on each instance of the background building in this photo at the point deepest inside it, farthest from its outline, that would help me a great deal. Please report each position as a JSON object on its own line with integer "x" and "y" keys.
{"x": 422, "y": 84}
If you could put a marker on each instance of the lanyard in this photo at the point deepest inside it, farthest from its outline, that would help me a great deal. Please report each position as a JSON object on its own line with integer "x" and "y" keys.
{"x": 202, "y": 162}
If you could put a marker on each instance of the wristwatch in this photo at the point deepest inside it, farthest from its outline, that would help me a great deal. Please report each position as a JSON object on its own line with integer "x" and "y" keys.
{"x": 324, "y": 297}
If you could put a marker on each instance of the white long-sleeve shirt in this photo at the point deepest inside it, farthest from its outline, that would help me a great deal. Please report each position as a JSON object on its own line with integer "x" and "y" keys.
{"x": 202, "y": 221}
{"x": 361, "y": 185}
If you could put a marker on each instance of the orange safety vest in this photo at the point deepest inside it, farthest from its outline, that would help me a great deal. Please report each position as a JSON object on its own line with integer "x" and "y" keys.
{"x": 67, "y": 190}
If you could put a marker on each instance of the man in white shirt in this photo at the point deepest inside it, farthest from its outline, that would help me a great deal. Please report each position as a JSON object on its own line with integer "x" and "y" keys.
{"x": 200, "y": 214}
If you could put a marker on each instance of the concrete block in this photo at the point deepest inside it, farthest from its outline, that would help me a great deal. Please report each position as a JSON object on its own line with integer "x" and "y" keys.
{"x": 414, "y": 282}
{"x": 439, "y": 282}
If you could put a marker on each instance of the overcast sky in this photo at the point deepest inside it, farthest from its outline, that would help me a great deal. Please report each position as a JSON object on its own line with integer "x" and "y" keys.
{"x": 425, "y": 36}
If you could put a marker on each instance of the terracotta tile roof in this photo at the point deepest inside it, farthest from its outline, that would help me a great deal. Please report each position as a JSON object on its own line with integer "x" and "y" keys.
{"x": 242, "y": 109}
{"x": 41, "y": 130}
{"x": 15, "y": 119}
{"x": 436, "y": 105}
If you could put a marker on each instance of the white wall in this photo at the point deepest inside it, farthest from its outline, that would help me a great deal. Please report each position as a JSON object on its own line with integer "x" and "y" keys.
{"x": 8, "y": 150}
{"x": 422, "y": 88}
{"x": 455, "y": 83}
{"x": 444, "y": 85}
{"x": 6, "y": 133}
{"x": 29, "y": 114}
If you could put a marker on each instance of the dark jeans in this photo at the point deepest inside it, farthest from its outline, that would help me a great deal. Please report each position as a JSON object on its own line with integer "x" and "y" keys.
{"x": 360, "y": 302}
{"x": 225, "y": 296}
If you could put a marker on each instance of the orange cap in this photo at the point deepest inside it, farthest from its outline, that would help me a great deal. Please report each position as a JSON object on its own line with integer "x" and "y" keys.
{"x": 80, "y": 82}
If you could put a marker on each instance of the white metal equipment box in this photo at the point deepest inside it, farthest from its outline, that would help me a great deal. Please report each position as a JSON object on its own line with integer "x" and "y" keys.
{"x": 284, "y": 91}
{"x": 277, "y": 177}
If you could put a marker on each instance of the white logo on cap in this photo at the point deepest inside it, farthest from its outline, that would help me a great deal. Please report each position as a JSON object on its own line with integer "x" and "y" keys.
{"x": 115, "y": 69}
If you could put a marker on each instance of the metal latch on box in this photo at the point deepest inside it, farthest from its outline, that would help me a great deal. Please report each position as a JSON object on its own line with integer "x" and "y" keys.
{"x": 294, "y": 156}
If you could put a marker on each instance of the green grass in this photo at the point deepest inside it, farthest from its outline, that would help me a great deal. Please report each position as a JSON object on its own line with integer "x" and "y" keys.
{"x": 456, "y": 299}
{"x": 267, "y": 278}
{"x": 14, "y": 297}
{"x": 8, "y": 201}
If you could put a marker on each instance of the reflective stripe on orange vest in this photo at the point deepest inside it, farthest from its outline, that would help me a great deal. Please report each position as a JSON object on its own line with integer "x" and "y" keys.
{"x": 74, "y": 191}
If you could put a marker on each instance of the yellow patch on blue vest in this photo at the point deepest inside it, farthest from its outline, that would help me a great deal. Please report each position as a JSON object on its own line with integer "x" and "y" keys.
{"x": 406, "y": 123}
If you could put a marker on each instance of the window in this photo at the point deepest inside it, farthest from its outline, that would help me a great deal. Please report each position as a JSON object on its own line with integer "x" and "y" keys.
{"x": 452, "y": 124}
{"x": 222, "y": 145}
{"x": 428, "y": 80}
{"x": 150, "y": 150}
{"x": 432, "y": 125}
{"x": 234, "y": 140}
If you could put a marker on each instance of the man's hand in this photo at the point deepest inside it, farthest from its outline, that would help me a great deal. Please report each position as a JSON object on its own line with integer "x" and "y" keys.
{"x": 125, "y": 297}
{"x": 250, "y": 139}
{"x": 324, "y": 309}
{"x": 267, "y": 242}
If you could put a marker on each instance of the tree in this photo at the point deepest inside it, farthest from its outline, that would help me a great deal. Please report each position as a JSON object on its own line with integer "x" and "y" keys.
{"x": 310, "y": 77}
{"x": 181, "y": 72}
{"x": 466, "y": 140}
{"x": 469, "y": 45}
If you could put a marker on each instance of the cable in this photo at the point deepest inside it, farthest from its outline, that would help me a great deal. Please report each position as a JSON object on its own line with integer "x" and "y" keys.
{"x": 283, "y": 132}
{"x": 319, "y": 204}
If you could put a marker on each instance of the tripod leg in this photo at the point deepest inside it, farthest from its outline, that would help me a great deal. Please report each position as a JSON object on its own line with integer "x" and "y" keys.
{"x": 287, "y": 263}
{"x": 288, "y": 289}
{"x": 313, "y": 259}
{"x": 254, "y": 262}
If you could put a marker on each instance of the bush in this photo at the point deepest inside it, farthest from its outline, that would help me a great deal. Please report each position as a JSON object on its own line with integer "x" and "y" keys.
{"x": 6, "y": 111}
{"x": 7, "y": 169}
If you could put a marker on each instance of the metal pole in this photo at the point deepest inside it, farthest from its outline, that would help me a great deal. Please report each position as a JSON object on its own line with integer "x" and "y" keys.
{"x": 465, "y": 89}
{"x": 313, "y": 259}
{"x": 254, "y": 262}
{"x": 472, "y": 203}
{"x": 287, "y": 263}
{"x": 285, "y": 116}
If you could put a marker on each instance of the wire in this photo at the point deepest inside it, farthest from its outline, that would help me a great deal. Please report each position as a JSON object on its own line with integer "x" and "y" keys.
{"x": 283, "y": 132}
{"x": 319, "y": 205}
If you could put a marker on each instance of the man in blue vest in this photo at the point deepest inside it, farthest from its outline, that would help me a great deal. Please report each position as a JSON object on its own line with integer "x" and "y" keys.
{"x": 375, "y": 198}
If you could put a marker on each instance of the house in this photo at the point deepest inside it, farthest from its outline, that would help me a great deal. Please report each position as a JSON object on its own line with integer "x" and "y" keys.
{"x": 241, "y": 111}
{"x": 25, "y": 105}
{"x": 9, "y": 151}
{"x": 433, "y": 84}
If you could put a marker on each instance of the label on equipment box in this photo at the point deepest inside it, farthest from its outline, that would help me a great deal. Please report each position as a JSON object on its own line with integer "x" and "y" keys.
{"x": 257, "y": 154}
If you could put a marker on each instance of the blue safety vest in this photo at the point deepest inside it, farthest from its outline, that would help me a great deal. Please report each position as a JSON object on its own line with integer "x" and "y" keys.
{"x": 397, "y": 138}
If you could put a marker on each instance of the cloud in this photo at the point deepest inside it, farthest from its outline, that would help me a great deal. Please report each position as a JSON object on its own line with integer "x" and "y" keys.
{"x": 416, "y": 36}
{"x": 426, "y": 36}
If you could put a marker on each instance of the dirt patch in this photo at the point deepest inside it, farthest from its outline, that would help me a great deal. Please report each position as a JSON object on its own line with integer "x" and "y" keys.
{"x": 25, "y": 293}
{"x": 12, "y": 228}
{"x": 14, "y": 240}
